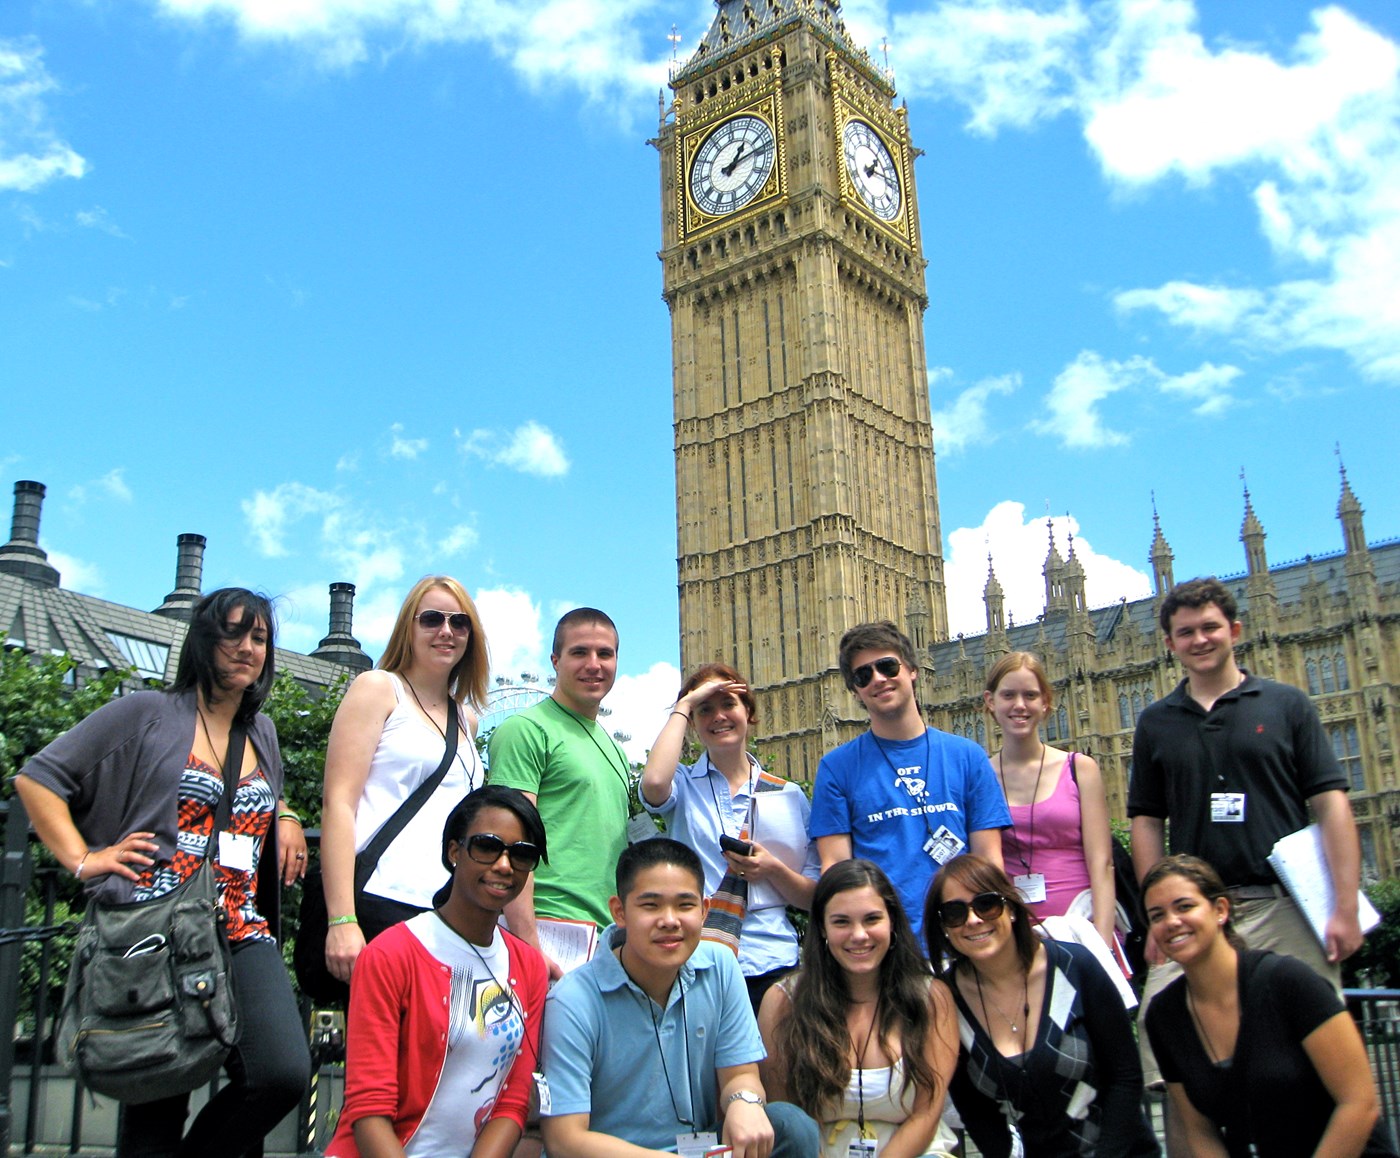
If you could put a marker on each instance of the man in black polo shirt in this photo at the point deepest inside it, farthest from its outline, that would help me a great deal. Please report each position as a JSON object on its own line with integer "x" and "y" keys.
{"x": 1235, "y": 762}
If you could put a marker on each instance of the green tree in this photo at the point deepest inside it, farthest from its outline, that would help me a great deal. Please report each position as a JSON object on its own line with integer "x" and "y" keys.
{"x": 39, "y": 702}
{"x": 303, "y": 720}
{"x": 1377, "y": 964}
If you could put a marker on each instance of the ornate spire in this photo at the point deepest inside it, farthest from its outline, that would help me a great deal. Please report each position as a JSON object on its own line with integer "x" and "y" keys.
{"x": 741, "y": 24}
{"x": 1350, "y": 512}
{"x": 993, "y": 598}
{"x": 1160, "y": 555}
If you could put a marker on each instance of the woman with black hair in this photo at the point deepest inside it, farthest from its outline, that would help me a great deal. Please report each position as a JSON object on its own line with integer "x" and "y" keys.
{"x": 1048, "y": 1058}
{"x": 864, "y": 1037}
{"x": 446, "y": 1006}
{"x": 1259, "y": 1053}
{"x": 126, "y": 802}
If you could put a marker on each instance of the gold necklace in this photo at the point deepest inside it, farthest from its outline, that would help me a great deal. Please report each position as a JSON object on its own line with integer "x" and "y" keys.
{"x": 1025, "y": 1002}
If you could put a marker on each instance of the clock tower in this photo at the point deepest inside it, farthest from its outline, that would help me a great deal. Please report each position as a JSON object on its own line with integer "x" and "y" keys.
{"x": 805, "y": 489}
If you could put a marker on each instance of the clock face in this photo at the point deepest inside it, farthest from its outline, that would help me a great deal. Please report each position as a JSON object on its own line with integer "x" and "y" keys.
{"x": 732, "y": 165}
{"x": 872, "y": 169}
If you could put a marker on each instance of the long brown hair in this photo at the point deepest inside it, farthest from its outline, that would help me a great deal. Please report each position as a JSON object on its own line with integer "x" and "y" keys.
{"x": 814, "y": 1038}
{"x": 468, "y": 678}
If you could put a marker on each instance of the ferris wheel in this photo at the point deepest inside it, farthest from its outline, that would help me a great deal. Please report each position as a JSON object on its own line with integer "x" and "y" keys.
{"x": 508, "y": 697}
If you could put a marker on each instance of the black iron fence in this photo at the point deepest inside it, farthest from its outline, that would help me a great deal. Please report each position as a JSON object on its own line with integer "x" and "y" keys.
{"x": 43, "y": 1111}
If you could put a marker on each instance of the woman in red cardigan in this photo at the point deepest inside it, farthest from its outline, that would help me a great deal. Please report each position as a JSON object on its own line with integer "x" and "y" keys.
{"x": 445, "y": 1008}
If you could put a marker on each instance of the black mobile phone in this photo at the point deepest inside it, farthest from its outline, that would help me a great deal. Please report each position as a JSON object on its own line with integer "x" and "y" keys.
{"x": 735, "y": 845}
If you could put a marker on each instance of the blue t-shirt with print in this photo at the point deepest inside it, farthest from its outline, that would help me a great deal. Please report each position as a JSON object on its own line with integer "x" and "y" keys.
{"x": 908, "y": 805}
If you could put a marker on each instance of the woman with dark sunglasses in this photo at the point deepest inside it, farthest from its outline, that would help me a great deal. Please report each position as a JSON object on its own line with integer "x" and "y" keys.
{"x": 864, "y": 1038}
{"x": 1047, "y": 1048}
{"x": 446, "y": 1007}
{"x": 390, "y": 735}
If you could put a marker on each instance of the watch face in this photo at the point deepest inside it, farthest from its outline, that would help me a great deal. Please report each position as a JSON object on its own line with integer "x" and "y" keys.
{"x": 732, "y": 165}
{"x": 872, "y": 169}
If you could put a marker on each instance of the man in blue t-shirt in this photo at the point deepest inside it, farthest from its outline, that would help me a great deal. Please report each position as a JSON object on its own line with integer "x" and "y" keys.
{"x": 906, "y": 796}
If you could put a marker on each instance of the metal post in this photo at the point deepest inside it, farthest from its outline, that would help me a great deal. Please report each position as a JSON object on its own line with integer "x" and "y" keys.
{"x": 15, "y": 869}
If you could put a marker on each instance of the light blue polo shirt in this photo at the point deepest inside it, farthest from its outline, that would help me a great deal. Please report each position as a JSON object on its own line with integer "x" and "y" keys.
{"x": 603, "y": 1051}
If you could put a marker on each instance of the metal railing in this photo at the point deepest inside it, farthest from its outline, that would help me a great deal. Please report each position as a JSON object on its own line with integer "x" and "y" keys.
{"x": 42, "y": 1109}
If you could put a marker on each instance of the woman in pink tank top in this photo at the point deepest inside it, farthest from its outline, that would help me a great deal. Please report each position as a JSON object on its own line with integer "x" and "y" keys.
{"x": 1059, "y": 843}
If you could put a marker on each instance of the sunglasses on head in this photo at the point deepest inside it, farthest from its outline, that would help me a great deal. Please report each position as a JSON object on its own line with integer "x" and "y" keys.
{"x": 486, "y": 848}
{"x": 459, "y": 621}
{"x": 887, "y": 667}
{"x": 987, "y": 906}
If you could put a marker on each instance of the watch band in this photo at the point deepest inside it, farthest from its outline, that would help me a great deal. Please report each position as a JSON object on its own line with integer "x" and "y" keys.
{"x": 749, "y": 1096}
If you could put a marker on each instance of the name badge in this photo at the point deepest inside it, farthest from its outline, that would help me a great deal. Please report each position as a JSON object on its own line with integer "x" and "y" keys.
{"x": 694, "y": 1145}
{"x": 236, "y": 852}
{"x": 542, "y": 1090}
{"x": 861, "y": 1148}
{"x": 641, "y": 827}
{"x": 1031, "y": 886}
{"x": 1227, "y": 807}
{"x": 944, "y": 845}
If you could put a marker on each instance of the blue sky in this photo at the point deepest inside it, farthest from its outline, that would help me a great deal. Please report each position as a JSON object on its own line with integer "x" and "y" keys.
{"x": 361, "y": 289}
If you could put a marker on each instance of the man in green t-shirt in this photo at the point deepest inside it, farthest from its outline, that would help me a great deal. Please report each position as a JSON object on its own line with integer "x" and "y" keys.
{"x": 577, "y": 775}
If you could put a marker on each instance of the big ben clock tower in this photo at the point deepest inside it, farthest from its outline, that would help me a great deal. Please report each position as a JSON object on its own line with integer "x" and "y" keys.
{"x": 805, "y": 488}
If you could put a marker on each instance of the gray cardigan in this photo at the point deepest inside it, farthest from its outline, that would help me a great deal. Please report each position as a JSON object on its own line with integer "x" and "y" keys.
{"x": 119, "y": 772}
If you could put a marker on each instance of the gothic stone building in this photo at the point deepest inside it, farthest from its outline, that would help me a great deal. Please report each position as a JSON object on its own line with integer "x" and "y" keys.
{"x": 792, "y": 266}
{"x": 1329, "y": 624}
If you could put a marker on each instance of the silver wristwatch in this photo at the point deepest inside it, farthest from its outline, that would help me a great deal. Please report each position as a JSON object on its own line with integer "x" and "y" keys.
{"x": 749, "y": 1096}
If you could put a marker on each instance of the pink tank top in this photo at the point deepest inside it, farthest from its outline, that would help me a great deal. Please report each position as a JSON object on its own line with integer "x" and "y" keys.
{"x": 1052, "y": 845}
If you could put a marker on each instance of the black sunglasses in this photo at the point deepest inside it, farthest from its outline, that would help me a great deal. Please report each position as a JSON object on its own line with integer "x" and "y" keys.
{"x": 987, "y": 906}
{"x": 887, "y": 667}
{"x": 486, "y": 848}
{"x": 459, "y": 621}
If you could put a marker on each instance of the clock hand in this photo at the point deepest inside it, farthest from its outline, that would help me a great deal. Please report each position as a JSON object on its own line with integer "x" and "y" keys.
{"x": 728, "y": 170}
{"x": 870, "y": 168}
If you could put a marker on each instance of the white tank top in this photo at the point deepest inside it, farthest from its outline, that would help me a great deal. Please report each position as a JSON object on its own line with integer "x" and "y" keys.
{"x": 409, "y": 751}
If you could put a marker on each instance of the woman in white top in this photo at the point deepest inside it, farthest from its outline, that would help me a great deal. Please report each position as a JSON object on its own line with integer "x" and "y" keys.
{"x": 864, "y": 1038}
{"x": 389, "y": 735}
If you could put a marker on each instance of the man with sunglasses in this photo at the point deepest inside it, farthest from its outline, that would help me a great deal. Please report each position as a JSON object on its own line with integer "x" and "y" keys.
{"x": 906, "y": 796}
{"x": 576, "y": 774}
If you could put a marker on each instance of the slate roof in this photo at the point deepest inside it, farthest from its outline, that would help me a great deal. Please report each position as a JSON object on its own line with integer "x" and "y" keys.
{"x": 51, "y": 620}
{"x": 740, "y": 24}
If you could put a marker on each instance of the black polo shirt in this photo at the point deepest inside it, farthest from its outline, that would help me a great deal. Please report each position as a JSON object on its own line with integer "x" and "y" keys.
{"x": 1263, "y": 739}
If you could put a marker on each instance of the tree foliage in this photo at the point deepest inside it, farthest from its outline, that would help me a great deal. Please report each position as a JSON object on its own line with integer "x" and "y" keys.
{"x": 38, "y": 702}
{"x": 1377, "y": 963}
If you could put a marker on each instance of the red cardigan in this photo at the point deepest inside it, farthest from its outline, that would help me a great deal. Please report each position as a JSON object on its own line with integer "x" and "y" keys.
{"x": 396, "y": 1040}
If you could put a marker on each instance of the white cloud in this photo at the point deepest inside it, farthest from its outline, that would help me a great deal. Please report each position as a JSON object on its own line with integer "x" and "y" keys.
{"x": 1201, "y": 307}
{"x": 401, "y": 447}
{"x": 31, "y": 151}
{"x": 965, "y": 422}
{"x": 638, "y": 704}
{"x": 77, "y": 574}
{"x": 514, "y": 633}
{"x": 270, "y": 513}
{"x": 530, "y": 448}
{"x": 595, "y": 46}
{"x": 1018, "y": 548}
{"x": 111, "y": 485}
{"x": 1079, "y": 388}
{"x": 1209, "y": 383}
{"x": 96, "y": 218}
{"x": 1314, "y": 131}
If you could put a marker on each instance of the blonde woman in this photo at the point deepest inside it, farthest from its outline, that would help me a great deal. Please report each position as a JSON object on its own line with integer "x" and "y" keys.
{"x": 389, "y": 735}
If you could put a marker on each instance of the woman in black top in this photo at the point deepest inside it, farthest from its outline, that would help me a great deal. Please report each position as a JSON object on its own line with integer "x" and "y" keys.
{"x": 1047, "y": 1048}
{"x": 1259, "y": 1054}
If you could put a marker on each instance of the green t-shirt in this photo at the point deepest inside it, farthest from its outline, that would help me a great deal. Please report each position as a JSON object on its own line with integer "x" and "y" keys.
{"x": 580, "y": 776}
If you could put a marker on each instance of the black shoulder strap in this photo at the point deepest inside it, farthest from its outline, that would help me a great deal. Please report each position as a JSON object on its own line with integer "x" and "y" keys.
{"x": 1073, "y": 775}
{"x": 233, "y": 766}
{"x": 367, "y": 860}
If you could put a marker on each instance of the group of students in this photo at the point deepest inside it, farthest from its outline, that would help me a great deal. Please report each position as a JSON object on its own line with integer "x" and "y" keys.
{"x": 702, "y": 1019}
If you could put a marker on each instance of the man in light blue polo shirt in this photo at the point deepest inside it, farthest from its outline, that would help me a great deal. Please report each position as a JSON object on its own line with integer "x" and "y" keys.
{"x": 652, "y": 1042}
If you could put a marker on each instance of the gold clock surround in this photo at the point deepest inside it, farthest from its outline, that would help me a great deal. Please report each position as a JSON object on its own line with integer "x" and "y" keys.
{"x": 693, "y": 134}
{"x": 850, "y": 103}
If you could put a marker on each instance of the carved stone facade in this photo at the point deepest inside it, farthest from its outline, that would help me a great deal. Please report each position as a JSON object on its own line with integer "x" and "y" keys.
{"x": 1329, "y": 624}
{"x": 805, "y": 486}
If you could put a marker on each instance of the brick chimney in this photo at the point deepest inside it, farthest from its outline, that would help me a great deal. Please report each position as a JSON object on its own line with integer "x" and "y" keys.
{"x": 22, "y": 555}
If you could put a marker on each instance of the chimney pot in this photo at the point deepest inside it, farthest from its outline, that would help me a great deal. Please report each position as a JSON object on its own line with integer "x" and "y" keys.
{"x": 22, "y": 555}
